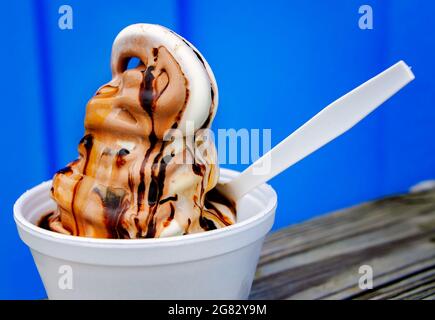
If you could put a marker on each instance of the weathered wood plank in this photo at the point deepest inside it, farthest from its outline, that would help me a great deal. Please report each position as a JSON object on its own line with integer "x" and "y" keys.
{"x": 320, "y": 258}
{"x": 420, "y": 284}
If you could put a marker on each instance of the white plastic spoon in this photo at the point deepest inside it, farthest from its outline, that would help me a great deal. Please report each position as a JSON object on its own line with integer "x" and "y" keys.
{"x": 328, "y": 124}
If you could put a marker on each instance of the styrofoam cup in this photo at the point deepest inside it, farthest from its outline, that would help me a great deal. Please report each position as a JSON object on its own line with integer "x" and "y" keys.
{"x": 217, "y": 264}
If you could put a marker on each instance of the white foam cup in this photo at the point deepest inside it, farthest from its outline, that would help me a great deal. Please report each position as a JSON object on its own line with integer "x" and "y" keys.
{"x": 217, "y": 264}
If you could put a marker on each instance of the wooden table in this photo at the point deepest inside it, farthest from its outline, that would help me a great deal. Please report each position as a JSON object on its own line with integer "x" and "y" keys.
{"x": 320, "y": 259}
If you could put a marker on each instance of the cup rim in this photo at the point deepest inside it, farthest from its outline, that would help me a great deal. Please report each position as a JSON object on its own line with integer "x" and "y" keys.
{"x": 250, "y": 222}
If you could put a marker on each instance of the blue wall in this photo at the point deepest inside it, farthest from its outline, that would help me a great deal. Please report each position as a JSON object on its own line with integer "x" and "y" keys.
{"x": 277, "y": 63}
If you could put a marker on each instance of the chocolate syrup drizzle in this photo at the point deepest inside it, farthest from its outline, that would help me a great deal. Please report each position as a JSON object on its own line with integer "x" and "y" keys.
{"x": 115, "y": 205}
{"x": 115, "y": 201}
{"x": 66, "y": 170}
{"x": 148, "y": 99}
{"x": 88, "y": 142}
{"x": 156, "y": 185}
{"x": 120, "y": 160}
{"x": 44, "y": 222}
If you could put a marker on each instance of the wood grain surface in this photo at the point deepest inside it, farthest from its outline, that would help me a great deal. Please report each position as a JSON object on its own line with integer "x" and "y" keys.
{"x": 320, "y": 258}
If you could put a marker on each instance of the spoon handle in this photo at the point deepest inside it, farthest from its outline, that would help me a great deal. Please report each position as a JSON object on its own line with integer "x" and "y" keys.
{"x": 328, "y": 124}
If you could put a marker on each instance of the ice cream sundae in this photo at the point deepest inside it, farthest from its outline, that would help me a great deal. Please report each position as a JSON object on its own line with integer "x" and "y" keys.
{"x": 147, "y": 166}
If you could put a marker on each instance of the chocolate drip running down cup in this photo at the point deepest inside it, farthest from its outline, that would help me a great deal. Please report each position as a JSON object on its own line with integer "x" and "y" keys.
{"x": 131, "y": 180}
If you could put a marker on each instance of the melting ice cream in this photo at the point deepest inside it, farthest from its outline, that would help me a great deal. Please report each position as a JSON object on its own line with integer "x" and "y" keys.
{"x": 132, "y": 179}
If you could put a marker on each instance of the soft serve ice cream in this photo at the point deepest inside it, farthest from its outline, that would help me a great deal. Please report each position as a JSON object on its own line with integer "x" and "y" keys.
{"x": 132, "y": 179}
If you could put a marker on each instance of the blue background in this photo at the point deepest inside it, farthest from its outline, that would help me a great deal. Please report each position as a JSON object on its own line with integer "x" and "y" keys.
{"x": 277, "y": 64}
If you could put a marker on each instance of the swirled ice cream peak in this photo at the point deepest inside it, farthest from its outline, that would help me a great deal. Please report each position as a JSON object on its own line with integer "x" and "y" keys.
{"x": 130, "y": 181}
{"x": 194, "y": 76}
